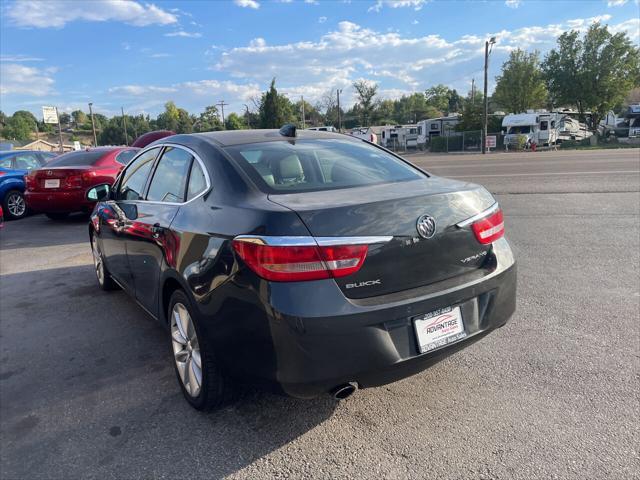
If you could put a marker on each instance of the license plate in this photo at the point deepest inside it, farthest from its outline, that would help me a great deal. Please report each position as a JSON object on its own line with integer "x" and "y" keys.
{"x": 439, "y": 328}
{"x": 52, "y": 183}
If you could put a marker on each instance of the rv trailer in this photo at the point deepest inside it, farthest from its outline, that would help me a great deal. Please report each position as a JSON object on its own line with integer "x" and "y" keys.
{"x": 540, "y": 128}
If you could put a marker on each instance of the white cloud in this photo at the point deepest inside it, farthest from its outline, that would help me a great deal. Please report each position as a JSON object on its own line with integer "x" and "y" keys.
{"x": 616, "y": 3}
{"x": 398, "y": 61}
{"x": 415, "y": 4}
{"x": 160, "y": 55}
{"x": 192, "y": 95}
{"x": 247, "y": 3}
{"x": 19, "y": 58}
{"x": 322, "y": 19}
{"x": 57, "y": 13}
{"x": 630, "y": 27}
{"x": 513, "y": 3}
{"x": 182, "y": 33}
{"x": 22, "y": 80}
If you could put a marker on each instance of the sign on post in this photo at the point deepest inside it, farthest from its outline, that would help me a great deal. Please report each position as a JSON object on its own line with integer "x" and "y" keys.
{"x": 491, "y": 141}
{"x": 50, "y": 114}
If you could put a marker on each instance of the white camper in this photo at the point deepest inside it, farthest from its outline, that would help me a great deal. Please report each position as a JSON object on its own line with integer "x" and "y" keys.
{"x": 437, "y": 127}
{"x": 400, "y": 136}
{"x": 540, "y": 128}
{"x": 327, "y": 128}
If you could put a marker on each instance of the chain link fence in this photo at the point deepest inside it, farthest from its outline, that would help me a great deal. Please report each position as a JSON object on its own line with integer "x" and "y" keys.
{"x": 469, "y": 141}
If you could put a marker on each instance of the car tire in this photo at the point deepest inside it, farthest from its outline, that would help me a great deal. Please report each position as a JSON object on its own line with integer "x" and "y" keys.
{"x": 14, "y": 205}
{"x": 57, "y": 216}
{"x": 105, "y": 281}
{"x": 199, "y": 375}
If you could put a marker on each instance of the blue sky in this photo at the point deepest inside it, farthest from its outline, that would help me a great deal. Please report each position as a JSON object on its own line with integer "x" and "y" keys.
{"x": 138, "y": 54}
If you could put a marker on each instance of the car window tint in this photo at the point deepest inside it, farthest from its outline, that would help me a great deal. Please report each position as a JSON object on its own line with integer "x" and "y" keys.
{"x": 26, "y": 161}
{"x": 5, "y": 162}
{"x": 77, "y": 158}
{"x": 170, "y": 177}
{"x": 135, "y": 176}
{"x": 320, "y": 164}
{"x": 197, "y": 181}
{"x": 125, "y": 156}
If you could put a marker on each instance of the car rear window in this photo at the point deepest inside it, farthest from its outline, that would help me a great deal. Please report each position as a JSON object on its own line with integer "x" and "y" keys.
{"x": 76, "y": 159}
{"x": 319, "y": 164}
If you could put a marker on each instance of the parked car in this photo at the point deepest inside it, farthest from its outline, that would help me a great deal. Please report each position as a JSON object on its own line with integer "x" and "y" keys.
{"x": 60, "y": 187}
{"x": 14, "y": 165}
{"x": 315, "y": 262}
{"x": 150, "y": 137}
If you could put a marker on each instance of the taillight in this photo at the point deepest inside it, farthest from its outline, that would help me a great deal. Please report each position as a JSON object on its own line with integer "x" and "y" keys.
{"x": 2, "y": 172}
{"x": 490, "y": 228}
{"x": 73, "y": 181}
{"x": 29, "y": 181}
{"x": 298, "y": 263}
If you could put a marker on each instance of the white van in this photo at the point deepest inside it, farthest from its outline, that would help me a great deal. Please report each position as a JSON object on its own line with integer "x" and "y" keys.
{"x": 327, "y": 128}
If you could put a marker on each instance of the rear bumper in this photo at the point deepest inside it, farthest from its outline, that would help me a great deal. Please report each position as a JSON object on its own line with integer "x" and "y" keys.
{"x": 58, "y": 202}
{"x": 308, "y": 338}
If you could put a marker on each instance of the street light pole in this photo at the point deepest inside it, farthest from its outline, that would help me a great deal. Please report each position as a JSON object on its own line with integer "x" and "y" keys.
{"x": 302, "y": 98}
{"x": 248, "y": 115}
{"x": 93, "y": 126}
{"x": 485, "y": 114}
{"x": 124, "y": 121}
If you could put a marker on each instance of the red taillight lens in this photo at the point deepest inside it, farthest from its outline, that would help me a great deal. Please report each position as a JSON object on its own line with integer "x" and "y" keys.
{"x": 490, "y": 228}
{"x": 298, "y": 263}
{"x": 2, "y": 172}
{"x": 73, "y": 181}
{"x": 29, "y": 181}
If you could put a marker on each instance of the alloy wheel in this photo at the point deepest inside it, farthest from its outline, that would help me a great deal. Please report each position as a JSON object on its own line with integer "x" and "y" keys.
{"x": 186, "y": 349}
{"x": 16, "y": 205}
{"x": 97, "y": 260}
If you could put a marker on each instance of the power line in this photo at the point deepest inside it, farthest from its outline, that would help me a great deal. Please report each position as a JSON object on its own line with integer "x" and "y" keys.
{"x": 222, "y": 105}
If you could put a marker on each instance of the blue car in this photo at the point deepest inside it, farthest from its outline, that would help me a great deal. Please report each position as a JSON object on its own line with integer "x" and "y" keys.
{"x": 14, "y": 165}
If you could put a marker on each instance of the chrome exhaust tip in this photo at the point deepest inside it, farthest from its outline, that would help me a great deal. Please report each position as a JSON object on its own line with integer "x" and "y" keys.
{"x": 344, "y": 391}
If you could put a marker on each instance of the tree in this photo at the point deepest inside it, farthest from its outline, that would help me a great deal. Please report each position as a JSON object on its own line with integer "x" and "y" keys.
{"x": 594, "y": 72}
{"x": 168, "y": 120}
{"x": 234, "y": 122}
{"x": 65, "y": 119}
{"x": 365, "y": 92}
{"x": 79, "y": 117}
{"x": 521, "y": 85}
{"x": 455, "y": 101}
{"x": 19, "y": 126}
{"x": 438, "y": 97}
{"x": 275, "y": 109}
{"x": 208, "y": 120}
{"x": 185, "y": 121}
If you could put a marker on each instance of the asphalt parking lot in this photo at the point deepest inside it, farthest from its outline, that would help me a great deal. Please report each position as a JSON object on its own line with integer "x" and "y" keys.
{"x": 87, "y": 388}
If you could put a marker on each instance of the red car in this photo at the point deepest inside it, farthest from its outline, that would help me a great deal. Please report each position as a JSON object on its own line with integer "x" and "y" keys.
{"x": 60, "y": 187}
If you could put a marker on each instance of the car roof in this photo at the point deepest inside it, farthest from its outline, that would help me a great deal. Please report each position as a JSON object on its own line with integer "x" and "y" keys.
{"x": 229, "y": 138}
{"x": 6, "y": 153}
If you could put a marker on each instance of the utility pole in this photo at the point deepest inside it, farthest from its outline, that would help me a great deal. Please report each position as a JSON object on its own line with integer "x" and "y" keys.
{"x": 93, "y": 126}
{"x": 302, "y": 98}
{"x": 339, "y": 91}
{"x": 59, "y": 131}
{"x": 124, "y": 121}
{"x": 485, "y": 116}
{"x": 473, "y": 91}
{"x": 222, "y": 104}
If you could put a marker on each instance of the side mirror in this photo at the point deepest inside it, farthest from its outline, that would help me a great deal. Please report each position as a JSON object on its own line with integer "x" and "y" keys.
{"x": 99, "y": 193}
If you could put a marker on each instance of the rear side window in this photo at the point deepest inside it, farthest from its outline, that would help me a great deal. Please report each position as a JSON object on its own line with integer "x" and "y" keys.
{"x": 197, "y": 181}
{"x": 170, "y": 178}
{"x": 77, "y": 159}
{"x": 5, "y": 162}
{"x": 27, "y": 161}
{"x": 321, "y": 164}
{"x": 135, "y": 176}
{"x": 125, "y": 156}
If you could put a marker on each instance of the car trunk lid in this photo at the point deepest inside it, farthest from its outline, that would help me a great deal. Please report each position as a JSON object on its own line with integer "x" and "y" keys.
{"x": 408, "y": 260}
{"x": 58, "y": 178}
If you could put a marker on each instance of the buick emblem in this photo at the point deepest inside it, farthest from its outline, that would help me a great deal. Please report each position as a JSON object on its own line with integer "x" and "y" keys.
{"x": 426, "y": 226}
